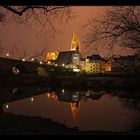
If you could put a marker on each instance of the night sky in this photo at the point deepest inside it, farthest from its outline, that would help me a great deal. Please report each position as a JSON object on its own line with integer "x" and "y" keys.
{"x": 11, "y": 33}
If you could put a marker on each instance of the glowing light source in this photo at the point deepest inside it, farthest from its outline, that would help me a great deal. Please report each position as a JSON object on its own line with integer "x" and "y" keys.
{"x": 63, "y": 65}
{"x": 40, "y": 62}
{"x": 56, "y": 65}
{"x": 48, "y": 95}
{"x": 63, "y": 90}
{"x": 32, "y": 99}
{"x": 32, "y": 59}
{"x": 76, "y": 70}
{"x": 7, "y": 54}
{"x": 23, "y": 59}
{"x": 49, "y": 62}
{"x": 7, "y": 106}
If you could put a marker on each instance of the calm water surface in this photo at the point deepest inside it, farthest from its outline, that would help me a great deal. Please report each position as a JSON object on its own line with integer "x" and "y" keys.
{"x": 88, "y": 109}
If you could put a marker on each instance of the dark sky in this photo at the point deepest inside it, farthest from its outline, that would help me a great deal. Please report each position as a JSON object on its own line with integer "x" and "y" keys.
{"x": 25, "y": 38}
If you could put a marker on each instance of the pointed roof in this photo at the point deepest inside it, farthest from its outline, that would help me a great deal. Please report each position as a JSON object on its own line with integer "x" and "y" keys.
{"x": 75, "y": 43}
{"x": 75, "y": 107}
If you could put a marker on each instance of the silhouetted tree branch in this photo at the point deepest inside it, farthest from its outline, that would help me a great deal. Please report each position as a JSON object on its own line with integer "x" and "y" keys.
{"x": 119, "y": 26}
{"x": 22, "y": 9}
{"x": 44, "y": 17}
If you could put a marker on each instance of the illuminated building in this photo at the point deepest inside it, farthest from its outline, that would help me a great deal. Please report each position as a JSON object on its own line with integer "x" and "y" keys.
{"x": 51, "y": 56}
{"x": 107, "y": 66}
{"x": 75, "y": 43}
{"x": 76, "y": 58}
{"x": 94, "y": 64}
{"x": 70, "y": 58}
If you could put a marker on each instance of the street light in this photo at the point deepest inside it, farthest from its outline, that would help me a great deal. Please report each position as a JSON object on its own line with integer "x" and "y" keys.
{"x": 7, "y": 54}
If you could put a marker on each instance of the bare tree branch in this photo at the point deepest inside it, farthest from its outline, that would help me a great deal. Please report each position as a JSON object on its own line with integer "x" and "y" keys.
{"x": 42, "y": 17}
{"x": 120, "y": 26}
{"x": 24, "y": 9}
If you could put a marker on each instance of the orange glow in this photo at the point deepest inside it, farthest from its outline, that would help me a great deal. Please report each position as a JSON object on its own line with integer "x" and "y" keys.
{"x": 52, "y": 96}
{"x": 7, "y": 54}
{"x": 51, "y": 56}
{"x": 75, "y": 107}
{"x": 108, "y": 67}
{"x": 75, "y": 43}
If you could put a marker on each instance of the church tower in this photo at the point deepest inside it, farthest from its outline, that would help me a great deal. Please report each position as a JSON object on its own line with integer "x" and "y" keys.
{"x": 75, "y": 43}
{"x": 75, "y": 107}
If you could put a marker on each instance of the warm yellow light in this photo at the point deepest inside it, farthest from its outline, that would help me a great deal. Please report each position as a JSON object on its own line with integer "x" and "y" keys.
{"x": 63, "y": 90}
{"x": 32, "y": 59}
{"x": 48, "y": 95}
{"x": 56, "y": 65}
{"x": 49, "y": 62}
{"x": 76, "y": 70}
{"x": 23, "y": 59}
{"x": 32, "y": 99}
{"x": 7, "y": 54}
{"x": 7, "y": 106}
{"x": 40, "y": 62}
{"x": 52, "y": 56}
{"x": 63, "y": 65}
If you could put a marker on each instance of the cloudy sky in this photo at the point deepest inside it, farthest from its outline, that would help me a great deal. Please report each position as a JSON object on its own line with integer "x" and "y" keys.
{"x": 11, "y": 33}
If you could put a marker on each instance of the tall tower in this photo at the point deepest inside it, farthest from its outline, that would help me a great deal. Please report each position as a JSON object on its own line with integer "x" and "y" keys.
{"x": 75, "y": 43}
{"x": 75, "y": 107}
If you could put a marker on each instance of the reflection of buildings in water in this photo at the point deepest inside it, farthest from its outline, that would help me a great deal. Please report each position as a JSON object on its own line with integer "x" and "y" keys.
{"x": 68, "y": 96}
{"x": 75, "y": 107}
{"x": 74, "y": 97}
{"x": 52, "y": 96}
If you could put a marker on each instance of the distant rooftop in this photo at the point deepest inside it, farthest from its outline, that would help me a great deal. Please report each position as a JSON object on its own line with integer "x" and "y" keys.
{"x": 95, "y": 57}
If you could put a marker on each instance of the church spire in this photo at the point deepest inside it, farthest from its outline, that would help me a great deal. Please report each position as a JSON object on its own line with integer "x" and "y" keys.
{"x": 75, "y": 43}
{"x": 75, "y": 107}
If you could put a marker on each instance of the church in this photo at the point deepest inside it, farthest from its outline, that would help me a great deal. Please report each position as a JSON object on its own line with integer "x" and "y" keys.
{"x": 70, "y": 59}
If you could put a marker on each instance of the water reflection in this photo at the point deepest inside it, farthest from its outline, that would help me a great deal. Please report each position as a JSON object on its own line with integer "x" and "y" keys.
{"x": 87, "y": 109}
{"x": 73, "y": 98}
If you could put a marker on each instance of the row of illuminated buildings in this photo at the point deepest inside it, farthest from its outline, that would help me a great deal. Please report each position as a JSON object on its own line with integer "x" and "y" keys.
{"x": 91, "y": 64}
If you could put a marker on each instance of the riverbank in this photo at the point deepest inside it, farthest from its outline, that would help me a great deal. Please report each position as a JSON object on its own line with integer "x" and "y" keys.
{"x": 22, "y": 125}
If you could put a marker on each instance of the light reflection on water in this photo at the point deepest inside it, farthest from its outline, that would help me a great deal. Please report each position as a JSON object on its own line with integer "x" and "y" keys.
{"x": 88, "y": 110}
